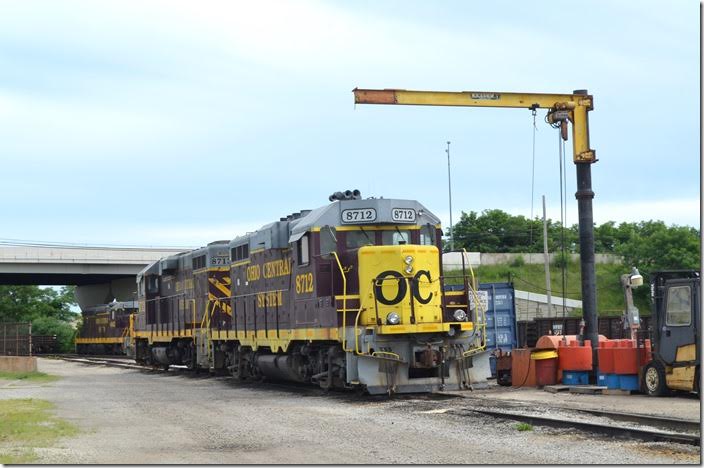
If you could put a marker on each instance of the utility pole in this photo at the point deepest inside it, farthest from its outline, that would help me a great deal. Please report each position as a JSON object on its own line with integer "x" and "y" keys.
{"x": 449, "y": 192}
{"x": 547, "y": 260}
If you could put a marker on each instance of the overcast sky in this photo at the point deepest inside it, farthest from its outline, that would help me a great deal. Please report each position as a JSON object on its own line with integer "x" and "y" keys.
{"x": 178, "y": 123}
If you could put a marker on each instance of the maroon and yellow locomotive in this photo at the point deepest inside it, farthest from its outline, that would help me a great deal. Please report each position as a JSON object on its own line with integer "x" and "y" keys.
{"x": 347, "y": 295}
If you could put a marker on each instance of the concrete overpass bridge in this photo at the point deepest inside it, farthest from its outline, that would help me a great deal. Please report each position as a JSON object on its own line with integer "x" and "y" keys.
{"x": 101, "y": 274}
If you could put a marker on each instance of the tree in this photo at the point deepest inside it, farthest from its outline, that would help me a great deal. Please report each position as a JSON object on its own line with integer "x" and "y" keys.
{"x": 48, "y": 310}
{"x": 654, "y": 246}
{"x": 498, "y": 231}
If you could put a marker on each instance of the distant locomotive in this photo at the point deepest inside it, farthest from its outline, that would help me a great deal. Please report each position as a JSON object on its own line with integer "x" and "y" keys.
{"x": 347, "y": 295}
{"x": 105, "y": 328}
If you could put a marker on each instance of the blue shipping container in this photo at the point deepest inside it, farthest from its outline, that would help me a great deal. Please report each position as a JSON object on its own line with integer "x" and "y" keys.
{"x": 500, "y": 319}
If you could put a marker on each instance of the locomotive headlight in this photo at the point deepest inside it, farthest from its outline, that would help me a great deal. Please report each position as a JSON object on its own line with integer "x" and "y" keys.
{"x": 460, "y": 315}
{"x": 408, "y": 260}
{"x": 393, "y": 318}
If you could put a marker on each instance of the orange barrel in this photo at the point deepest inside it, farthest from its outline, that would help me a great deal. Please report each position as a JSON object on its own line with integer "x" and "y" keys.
{"x": 575, "y": 357}
{"x": 625, "y": 358}
{"x": 545, "y": 367}
{"x": 522, "y": 368}
{"x": 606, "y": 356}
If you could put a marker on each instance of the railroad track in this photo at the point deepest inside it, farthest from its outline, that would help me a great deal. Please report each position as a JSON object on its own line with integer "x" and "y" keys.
{"x": 112, "y": 361}
{"x": 640, "y": 426}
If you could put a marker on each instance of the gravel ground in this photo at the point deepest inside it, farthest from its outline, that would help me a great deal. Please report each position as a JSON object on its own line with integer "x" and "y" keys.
{"x": 130, "y": 416}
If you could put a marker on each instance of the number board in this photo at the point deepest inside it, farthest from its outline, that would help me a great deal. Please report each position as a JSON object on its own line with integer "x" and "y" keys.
{"x": 358, "y": 215}
{"x": 220, "y": 261}
{"x": 403, "y": 215}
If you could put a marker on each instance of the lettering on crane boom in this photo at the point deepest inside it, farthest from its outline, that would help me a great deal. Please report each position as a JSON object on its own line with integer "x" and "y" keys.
{"x": 485, "y": 96}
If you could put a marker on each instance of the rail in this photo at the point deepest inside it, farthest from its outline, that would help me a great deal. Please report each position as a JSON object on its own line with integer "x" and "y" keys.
{"x": 599, "y": 428}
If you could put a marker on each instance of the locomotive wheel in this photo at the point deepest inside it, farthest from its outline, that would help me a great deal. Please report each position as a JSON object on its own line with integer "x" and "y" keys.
{"x": 654, "y": 379}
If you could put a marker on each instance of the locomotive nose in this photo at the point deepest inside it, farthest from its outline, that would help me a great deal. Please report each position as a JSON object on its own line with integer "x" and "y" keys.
{"x": 399, "y": 286}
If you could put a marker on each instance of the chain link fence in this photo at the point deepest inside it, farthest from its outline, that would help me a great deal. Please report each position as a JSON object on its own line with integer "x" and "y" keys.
{"x": 15, "y": 339}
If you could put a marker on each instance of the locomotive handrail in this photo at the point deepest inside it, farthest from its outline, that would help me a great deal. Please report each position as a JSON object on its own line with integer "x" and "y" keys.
{"x": 344, "y": 305}
{"x": 383, "y": 354}
{"x": 480, "y": 309}
{"x": 356, "y": 338}
{"x": 193, "y": 322}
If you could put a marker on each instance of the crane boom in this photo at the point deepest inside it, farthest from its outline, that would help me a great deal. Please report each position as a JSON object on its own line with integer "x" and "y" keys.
{"x": 562, "y": 108}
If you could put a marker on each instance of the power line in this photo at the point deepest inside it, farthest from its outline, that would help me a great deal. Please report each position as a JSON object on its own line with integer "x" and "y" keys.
{"x": 74, "y": 245}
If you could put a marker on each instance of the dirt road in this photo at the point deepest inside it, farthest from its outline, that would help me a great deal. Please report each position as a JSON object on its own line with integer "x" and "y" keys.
{"x": 132, "y": 416}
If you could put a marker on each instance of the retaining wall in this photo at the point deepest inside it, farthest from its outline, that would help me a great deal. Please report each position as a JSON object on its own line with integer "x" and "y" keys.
{"x": 18, "y": 364}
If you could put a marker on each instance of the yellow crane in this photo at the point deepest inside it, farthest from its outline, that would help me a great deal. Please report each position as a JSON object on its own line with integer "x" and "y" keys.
{"x": 562, "y": 108}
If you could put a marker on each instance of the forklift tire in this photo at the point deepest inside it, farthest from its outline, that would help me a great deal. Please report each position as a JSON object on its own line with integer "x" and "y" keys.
{"x": 654, "y": 379}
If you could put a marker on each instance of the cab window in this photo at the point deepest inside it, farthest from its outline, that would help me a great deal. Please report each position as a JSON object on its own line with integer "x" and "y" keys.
{"x": 357, "y": 239}
{"x": 328, "y": 240}
{"x": 395, "y": 237}
{"x": 679, "y": 306}
{"x": 427, "y": 235}
{"x": 303, "y": 252}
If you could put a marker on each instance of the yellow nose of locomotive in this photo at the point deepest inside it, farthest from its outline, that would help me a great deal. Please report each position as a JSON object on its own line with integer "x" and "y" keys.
{"x": 399, "y": 288}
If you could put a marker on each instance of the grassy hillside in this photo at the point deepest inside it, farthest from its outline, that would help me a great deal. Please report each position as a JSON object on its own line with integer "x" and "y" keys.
{"x": 532, "y": 278}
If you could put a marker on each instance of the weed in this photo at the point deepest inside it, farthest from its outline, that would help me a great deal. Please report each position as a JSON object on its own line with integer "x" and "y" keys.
{"x": 524, "y": 427}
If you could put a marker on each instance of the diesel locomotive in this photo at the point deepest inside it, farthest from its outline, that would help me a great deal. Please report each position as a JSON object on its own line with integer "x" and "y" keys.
{"x": 105, "y": 328}
{"x": 348, "y": 295}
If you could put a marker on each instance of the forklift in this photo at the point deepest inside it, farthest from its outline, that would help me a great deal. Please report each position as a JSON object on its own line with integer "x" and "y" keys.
{"x": 674, "y": 333}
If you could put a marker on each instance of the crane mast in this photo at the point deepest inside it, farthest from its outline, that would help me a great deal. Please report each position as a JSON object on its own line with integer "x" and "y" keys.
{"x": 562, "y": 109}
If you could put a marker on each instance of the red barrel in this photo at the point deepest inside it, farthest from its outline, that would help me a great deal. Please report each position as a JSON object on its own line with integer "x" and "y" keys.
{"x": 545, "y": 367}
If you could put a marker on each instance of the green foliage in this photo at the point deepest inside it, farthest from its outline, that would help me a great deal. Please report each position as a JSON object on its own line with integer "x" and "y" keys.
{"x": 561, "y": 260}
{"x": 25, "y": 303}
{"x": 531, "y": 278}
{"x": 48, "y": 310}
{"x": 498, "y": 231}
{"x": 64, "y": 331}
{"x": 519, "y": 261}
{"x": 649, "y": 245}
{"x": 524, "y": 427}
{"x": 652, "y": 245}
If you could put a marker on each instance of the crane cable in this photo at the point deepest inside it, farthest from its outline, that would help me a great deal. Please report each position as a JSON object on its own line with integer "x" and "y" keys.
{"x": 532, "y": 183}
{"x": 563, "y": 215}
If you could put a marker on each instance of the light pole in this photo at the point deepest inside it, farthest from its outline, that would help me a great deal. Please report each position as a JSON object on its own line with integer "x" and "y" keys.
{"x": 449, "y": 193}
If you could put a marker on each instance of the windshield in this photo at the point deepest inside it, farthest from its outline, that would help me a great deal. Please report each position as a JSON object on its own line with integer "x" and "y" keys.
{"x": 357, "y": 239}
{"x": 396, "y": 237}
